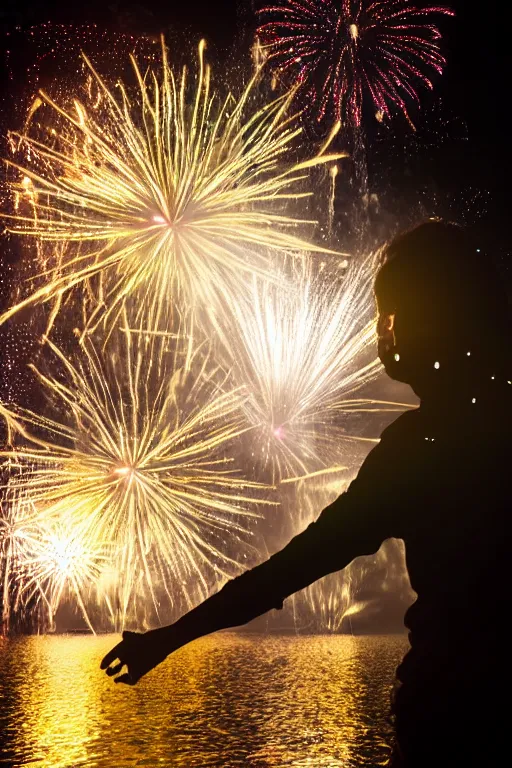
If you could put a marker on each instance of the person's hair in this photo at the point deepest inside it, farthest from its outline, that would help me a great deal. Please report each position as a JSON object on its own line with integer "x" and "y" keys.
{"x": 442, "y": 288}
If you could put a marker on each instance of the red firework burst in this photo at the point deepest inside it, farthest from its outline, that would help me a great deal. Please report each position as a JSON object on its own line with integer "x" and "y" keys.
{"x": 335, "y": 51}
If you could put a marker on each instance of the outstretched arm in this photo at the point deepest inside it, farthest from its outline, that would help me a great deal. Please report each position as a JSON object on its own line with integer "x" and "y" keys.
{"x": 345, "y": 530}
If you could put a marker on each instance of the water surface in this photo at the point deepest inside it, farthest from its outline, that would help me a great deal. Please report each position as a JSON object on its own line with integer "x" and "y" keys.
{"x": 226, "y": 701}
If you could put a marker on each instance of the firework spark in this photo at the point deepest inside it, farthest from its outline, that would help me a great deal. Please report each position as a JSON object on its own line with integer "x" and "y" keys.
{"x": 304, "y": 352}
{"x": 18, "y": 534}
{"x": 41, "y": 560}
{"x": 158, "y": 188}
{"x": 62, "y": 559}
{"x": 135, "y": 463}
{"x": 336, "y": 52}
{"x": 335, "y": 601}
{"x": 330, "y": 601}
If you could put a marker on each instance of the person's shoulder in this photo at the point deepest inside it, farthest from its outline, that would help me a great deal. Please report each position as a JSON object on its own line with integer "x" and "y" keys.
{"x": 394, "y": 443}
{"x": 407, "y": 424}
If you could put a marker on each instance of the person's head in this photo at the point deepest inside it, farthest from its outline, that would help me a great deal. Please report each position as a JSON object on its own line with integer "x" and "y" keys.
{"x": 442, "y": 310}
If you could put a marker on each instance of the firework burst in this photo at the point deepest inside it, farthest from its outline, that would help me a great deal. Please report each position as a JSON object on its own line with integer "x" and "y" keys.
{"x": 338, "y": 51}
{"x": 304, "y": 351}
{"x": 156, "y": 190}
{"x": 63, "y": 559}
{"x": 334, "y": 602}
{"x": 135, "y": 464}
{"x": 18, "y": 535}
{"x": 330, "y": 601}
{"x": 42, "y": 561}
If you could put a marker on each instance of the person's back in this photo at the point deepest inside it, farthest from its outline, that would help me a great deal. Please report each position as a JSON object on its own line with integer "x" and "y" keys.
{"x": 453, "y": 495}
{"x": 452, "y": 510}
{"x": 439, "y": 480}
{"x": 450, "y": 495}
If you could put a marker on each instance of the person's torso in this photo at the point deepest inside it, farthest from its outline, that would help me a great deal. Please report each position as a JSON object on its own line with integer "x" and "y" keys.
{"x": 452, "y": 510}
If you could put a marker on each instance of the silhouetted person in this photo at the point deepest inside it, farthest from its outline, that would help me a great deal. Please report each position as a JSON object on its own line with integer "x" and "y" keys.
{"x": 439, "y": 479}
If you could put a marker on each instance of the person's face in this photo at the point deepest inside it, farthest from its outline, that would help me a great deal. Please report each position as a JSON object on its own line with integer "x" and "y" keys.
{"x": 403, "y": 355}
{"x": 386, "y": 340}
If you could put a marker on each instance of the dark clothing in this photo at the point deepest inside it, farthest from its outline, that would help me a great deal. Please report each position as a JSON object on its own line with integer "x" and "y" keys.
{"x": 439, "y": 481}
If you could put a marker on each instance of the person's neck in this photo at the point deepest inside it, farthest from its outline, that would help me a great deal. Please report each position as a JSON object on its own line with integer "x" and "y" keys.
{"x": 467, "y": 400}
{"x": 437, "y": 402}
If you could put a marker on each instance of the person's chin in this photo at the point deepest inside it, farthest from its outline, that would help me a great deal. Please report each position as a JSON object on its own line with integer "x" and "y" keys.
{"x": 387, "y": 359}
{"x": 394, "y": 370}
{"x": 394, "y": 374}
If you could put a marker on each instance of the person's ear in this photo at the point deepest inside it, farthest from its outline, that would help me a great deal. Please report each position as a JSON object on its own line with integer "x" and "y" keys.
{"x": 386, "y": 328}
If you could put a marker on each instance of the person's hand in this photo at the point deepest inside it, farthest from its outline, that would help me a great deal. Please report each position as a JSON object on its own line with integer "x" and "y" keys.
{"x": 136, "y": 655}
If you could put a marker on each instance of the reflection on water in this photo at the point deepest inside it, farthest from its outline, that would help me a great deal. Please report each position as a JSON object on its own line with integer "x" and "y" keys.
{"x": 225, "y": 701}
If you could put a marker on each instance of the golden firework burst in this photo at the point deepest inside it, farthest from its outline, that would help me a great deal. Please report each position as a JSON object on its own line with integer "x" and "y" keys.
{"x": 167, "y": 187}
{"x": 134, "y": 461}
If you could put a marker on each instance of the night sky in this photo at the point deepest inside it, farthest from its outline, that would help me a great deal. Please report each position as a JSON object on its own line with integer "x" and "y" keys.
{"x": 474, "y": 87}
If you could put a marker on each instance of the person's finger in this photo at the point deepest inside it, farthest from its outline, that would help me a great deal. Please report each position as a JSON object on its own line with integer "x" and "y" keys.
{"x": 127, "y": 679}
{"x": 111, "y": 671}
{"x": 110, "y": 657}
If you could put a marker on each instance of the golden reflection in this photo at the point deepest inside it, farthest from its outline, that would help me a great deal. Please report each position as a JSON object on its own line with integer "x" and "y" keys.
{"x": 54, "y": 694}
{"x": 225, "y": 701}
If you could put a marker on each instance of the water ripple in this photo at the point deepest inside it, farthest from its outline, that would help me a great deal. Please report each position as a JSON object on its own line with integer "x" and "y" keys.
{"x": 227, "y": 701}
